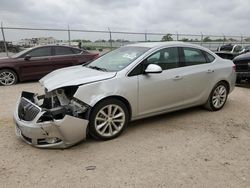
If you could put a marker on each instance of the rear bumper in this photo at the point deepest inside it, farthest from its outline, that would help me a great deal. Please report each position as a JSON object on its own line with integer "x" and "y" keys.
{"x": 65, "y": 132}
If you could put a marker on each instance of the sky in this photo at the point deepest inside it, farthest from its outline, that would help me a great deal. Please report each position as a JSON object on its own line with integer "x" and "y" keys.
{"x": 217, "y": 17}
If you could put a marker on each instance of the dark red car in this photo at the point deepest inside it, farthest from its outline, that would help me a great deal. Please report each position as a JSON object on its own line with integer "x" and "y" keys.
{"x": 34, "y": 63}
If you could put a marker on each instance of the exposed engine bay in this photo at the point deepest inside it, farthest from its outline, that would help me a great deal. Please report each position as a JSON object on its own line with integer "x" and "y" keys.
{"x": 58, "y": 103}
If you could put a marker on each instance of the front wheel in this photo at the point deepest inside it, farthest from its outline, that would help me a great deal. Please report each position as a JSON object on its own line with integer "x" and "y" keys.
{"x": 108, "y": 119}
{"x": 217, "y": 97}
{"x": 7, "y": 77}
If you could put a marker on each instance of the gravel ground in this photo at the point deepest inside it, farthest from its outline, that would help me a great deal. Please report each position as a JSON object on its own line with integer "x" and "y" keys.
{"x": 189, "y": 148}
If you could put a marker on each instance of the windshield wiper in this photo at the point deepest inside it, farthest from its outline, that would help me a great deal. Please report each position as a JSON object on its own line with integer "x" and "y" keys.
{"x": 98, "y": 68}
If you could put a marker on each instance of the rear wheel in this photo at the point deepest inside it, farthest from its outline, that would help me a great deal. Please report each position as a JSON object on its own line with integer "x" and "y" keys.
{"x": 108, "y": 119}
{"x": 217, "y": 97}
{"x": 7, "y": 77}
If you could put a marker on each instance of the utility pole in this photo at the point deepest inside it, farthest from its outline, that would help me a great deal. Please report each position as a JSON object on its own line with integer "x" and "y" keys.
{"x": 224, "y": 39}
{"x": 177, "y": 36}
{"x": 4, "y": 42}
{"x": 241, "y": 40}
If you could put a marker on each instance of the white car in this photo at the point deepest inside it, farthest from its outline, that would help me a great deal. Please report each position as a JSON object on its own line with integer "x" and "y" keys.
{"x": 129, "y": 83}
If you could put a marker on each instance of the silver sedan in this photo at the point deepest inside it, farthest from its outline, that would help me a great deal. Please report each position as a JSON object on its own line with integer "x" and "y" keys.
{"x": 129, "y": 83}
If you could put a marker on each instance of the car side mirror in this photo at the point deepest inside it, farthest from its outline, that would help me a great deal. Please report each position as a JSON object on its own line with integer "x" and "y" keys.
{"x": 27, "y": 57}
{"x": 153, "y": 69}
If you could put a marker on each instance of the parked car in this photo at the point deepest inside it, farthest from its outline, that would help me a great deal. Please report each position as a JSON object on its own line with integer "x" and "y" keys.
{"x": 129, "y": 83}
{"x": 34, "y": 63}
{"x": 229, "y": 51}
{"x": 242, "y": 63}
{"x": 247, "y": 48}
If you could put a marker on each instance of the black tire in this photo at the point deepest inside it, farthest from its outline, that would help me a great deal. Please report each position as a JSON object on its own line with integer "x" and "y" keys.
{"x": 209, "y": 104}
{"x": 12, "y": 74}
{"x": 102, "y": 106}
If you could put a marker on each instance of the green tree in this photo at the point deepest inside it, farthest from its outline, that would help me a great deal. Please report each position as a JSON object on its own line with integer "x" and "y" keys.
{"x": 167, "y": 37}
{"x": 185, "y": 39}
{"x": 207, "y": 39}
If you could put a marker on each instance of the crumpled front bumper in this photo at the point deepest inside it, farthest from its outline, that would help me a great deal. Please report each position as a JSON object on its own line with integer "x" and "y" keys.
{"x": 67, "y": 131}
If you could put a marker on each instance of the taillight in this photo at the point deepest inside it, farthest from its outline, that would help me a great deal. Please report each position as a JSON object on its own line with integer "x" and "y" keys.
{"x": 234, "y": 67}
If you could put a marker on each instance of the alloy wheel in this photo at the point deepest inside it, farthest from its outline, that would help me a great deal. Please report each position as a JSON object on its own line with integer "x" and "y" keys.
{"x": 7, "y": 78}
{"x": 219, "y": 96}
{"x": 110, "y": 120}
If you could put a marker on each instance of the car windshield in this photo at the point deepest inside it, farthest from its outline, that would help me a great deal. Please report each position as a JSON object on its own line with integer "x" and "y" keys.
{"x": 118, "y": 59}
{"x": 20, "y": 53}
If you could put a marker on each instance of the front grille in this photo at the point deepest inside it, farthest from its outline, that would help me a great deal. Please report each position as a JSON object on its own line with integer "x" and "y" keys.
{"x": 26, "y": 110}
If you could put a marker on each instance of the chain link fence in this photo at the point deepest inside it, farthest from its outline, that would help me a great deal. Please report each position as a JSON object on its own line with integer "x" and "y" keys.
{"x": 14, "y": 39}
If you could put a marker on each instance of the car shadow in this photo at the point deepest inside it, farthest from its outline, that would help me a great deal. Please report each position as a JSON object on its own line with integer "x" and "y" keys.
{"x": 164, "y": 118}
{"x": 148, "y": 123}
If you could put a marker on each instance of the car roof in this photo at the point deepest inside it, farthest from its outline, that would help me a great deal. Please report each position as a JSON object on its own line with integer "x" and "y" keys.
{"x": 155, "y": 44}
{"x": 167, "y": 44}
{"x": 54, "y": 45}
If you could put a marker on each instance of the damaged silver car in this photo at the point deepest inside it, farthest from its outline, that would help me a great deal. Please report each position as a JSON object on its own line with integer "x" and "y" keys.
{"x": 129, "y": 83}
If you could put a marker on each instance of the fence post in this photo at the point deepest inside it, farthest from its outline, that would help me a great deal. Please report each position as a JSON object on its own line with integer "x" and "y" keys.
{"x": 4, "y": 42}
{"x": 201, "y": 39}
{"x": 177, "y": 36}
{"x": 69, "y": 40}
{"x": 110, "y": 38}
{"x": 146, "y": 37}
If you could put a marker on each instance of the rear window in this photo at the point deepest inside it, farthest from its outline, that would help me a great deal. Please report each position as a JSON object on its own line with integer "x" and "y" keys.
{"x": 76, "y": 51}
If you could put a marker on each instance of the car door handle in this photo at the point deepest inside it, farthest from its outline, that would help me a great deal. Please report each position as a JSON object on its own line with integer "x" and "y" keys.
{"x": 177, "y": 77}
{"x": 210, "y": 71}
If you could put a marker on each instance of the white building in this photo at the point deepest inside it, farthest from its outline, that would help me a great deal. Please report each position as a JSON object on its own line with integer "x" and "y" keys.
{"x": 37, "y": 41}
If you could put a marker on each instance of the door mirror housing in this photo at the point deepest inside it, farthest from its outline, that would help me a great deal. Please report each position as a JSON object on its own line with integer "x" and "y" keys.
{"x": 27, "y": 57}
{"x": 153, "y": 69}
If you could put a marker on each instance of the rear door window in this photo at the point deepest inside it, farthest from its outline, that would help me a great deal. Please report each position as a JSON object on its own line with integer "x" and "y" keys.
{"x": 60, "y": 50}
{"x": 193, "y": 56}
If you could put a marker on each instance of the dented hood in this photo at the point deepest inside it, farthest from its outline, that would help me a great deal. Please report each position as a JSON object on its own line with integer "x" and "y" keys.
{"x": 73, "y": 76}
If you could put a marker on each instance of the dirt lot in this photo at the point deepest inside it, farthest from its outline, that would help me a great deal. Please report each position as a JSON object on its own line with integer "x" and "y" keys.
{"x": 190, "y": 148}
